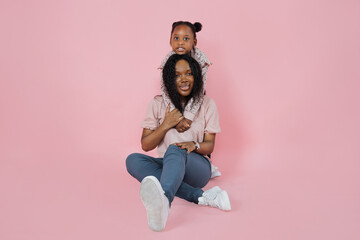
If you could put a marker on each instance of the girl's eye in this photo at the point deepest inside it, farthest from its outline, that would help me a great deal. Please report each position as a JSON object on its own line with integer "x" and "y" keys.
{"x": 189, "y": 74}
{"x": 176, "y": 38}
{"x": 186, "y": 38}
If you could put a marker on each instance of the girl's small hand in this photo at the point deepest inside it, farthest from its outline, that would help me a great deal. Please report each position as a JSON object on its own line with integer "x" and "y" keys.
{"x": 172, "y": 118}
{"x": 189, "y": 146}
{"x": 183, "y": 125}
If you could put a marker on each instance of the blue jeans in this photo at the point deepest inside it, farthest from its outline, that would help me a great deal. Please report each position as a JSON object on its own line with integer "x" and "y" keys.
{"x": 180, "y": 174}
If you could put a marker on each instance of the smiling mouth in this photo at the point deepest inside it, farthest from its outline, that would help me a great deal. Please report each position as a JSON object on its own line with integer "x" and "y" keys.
{"x": 185, "y": 87}
{"x": 180, "y": 49}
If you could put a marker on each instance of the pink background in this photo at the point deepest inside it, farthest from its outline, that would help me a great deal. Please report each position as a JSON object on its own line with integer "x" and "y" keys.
{"x": 76, "y": 77}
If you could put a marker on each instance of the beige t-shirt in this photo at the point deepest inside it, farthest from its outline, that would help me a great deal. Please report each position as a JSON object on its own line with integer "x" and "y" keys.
{"x": 206, "y": 121}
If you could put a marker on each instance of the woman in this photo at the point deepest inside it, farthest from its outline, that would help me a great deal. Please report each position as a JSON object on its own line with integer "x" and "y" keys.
{"x": 182, "y": 168}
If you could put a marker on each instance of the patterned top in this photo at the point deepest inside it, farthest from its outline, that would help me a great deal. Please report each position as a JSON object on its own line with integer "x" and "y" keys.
{"x": 192, "y": 107}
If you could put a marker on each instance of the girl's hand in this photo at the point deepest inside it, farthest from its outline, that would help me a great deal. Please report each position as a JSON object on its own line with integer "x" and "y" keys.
{"x": 172, "y": 118}
{"x": 183, "y": 125}
{"x": 189, "y": 146}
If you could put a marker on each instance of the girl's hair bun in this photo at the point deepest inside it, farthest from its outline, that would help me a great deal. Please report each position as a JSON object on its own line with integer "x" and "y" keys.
{"x": 197, "y": 26}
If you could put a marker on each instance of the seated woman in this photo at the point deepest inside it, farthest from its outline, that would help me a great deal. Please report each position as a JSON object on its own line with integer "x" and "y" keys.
{"x": 182, "y": 168}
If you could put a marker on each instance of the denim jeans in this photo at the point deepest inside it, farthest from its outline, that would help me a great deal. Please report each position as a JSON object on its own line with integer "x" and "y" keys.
{"x": 180, "y": 174}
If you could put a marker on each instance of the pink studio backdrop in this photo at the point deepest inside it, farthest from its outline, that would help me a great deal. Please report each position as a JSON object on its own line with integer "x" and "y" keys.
{"x": 75, "y": 81}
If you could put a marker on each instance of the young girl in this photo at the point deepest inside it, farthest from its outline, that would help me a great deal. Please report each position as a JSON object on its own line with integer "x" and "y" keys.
{"x": 182, "y": 167}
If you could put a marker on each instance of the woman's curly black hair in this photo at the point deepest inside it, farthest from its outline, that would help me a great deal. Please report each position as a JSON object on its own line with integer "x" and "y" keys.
{"x": 169, "y": 80}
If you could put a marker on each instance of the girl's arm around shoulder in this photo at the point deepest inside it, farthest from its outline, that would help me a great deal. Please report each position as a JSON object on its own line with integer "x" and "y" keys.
{"x": 201, "y": 58}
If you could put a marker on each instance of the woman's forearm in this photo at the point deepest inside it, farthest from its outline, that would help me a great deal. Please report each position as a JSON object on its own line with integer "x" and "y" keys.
{"x": 206, "y": 148}
{"x": 151, "y": 139}
{"x": 208, "y": 144}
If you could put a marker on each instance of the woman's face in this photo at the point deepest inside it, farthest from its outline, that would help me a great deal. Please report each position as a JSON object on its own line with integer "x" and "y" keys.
{"x": 182, "y": 40}
{"x": 184, "y": 78}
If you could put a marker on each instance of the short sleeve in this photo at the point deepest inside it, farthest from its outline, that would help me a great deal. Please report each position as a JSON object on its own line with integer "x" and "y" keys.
{"x": 212, "y": 124}
{"x": 151, "y": 120}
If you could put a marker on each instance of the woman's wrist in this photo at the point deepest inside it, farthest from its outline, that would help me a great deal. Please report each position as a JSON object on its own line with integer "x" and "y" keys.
{"x": 196, "y": 145}
{"x": 164, "y": 127}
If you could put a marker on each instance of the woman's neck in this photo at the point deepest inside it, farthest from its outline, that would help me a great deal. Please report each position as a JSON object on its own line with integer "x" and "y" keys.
{"x": 183, "y": 100}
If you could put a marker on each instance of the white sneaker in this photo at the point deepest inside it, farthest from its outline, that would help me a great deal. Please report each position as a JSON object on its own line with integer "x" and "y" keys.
{"x": 155, "y": 202}
{"x": 215, "y": 172}
{"x": 215, "y": 197}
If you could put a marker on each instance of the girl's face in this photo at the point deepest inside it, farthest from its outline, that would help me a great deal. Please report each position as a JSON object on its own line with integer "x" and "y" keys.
{"x": 182, "y": 40}
{"x": 184, "y": 78}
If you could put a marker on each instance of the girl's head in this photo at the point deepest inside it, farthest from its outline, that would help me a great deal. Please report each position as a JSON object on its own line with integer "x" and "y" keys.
{"x": 182, "y": 79}
{"x": 183, "y": 36}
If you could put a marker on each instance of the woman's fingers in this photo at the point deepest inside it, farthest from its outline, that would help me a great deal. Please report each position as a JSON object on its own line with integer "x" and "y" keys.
{"x": 175, "y": 110}
{"x": 172, "y": 118}
{"x": 185, "y": 145}
{"x": 176, "y": 113}
{"x": 180, "y": 145}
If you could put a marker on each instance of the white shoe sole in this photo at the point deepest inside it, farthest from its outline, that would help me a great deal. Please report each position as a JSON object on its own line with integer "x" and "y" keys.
{"x": 155, "y": 202}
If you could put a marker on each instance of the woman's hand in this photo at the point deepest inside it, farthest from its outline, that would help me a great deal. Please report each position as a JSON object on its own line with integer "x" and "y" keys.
{"x": 172, "y": 118}
{"x": 183, "y": 125}
{"x": 189, "y": 146}
{"x": 206, "y": 147}
{"x": 150, "y": 139}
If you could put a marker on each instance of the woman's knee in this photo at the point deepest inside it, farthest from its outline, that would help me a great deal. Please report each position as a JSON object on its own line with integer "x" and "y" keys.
{"x": 174, "y": 149}
{"x": 132, "y": 162}
{"x": 198, "y": 170}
